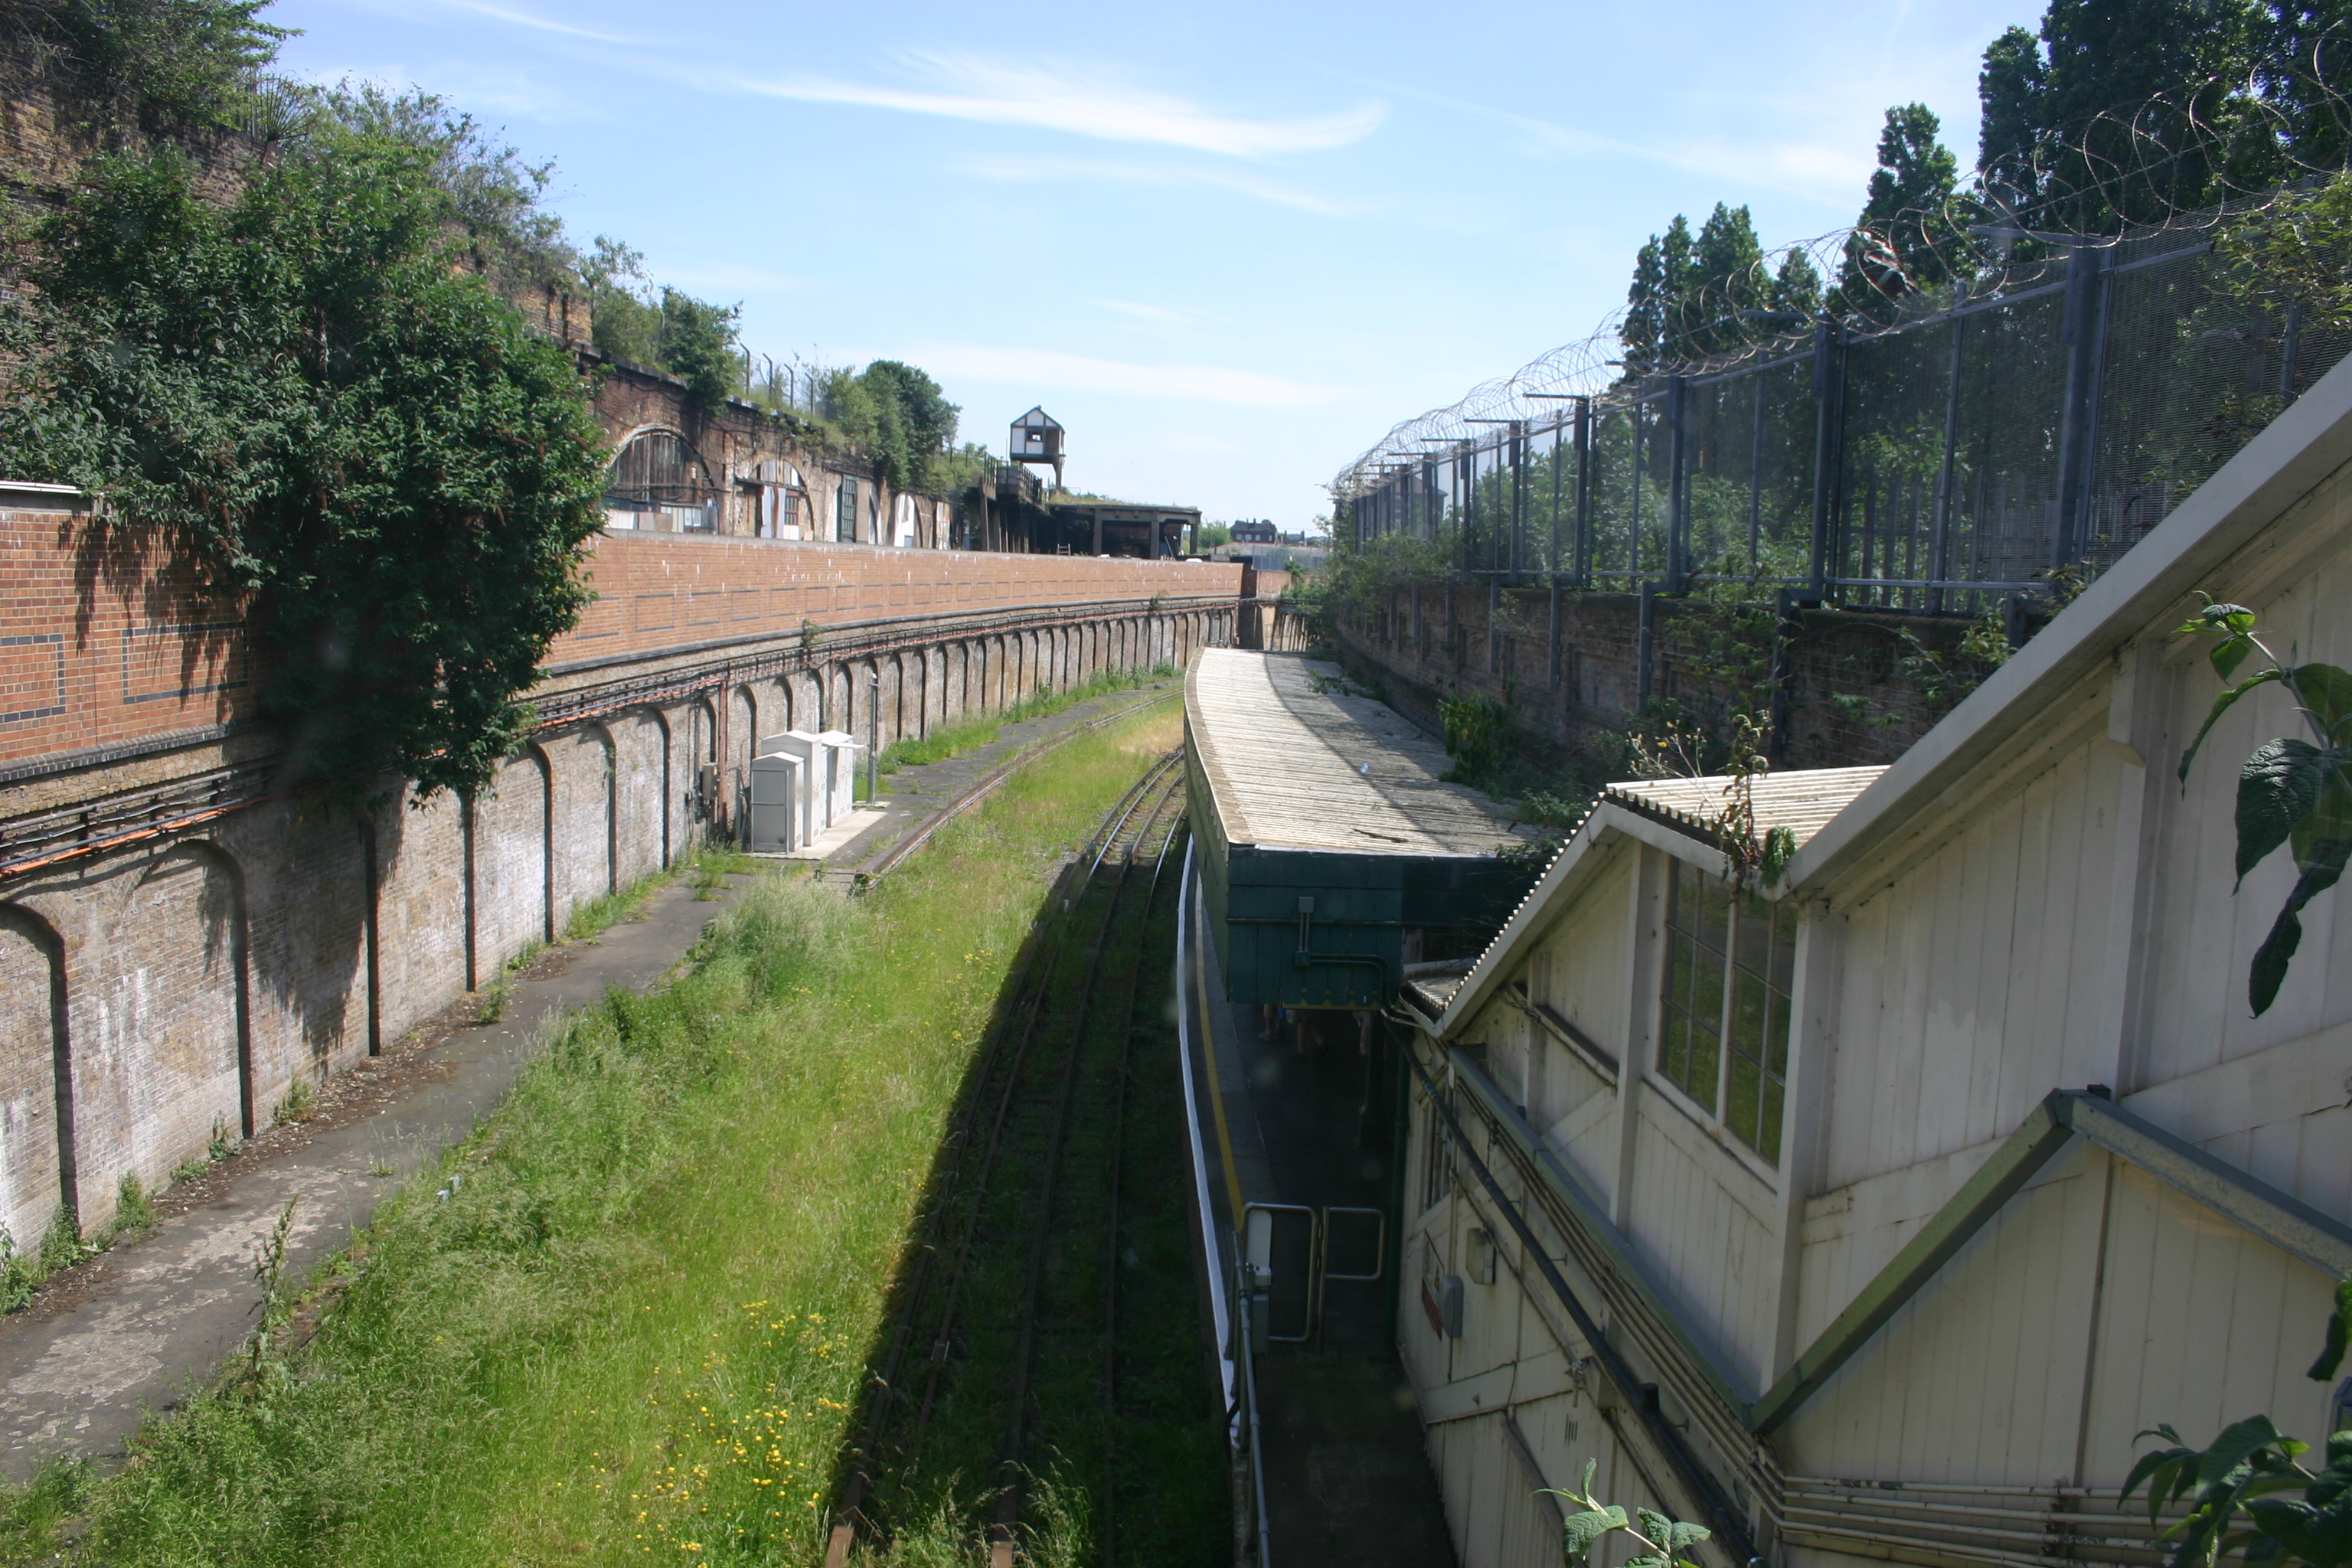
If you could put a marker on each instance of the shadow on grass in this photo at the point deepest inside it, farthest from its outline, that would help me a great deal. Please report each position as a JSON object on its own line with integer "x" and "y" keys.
{"x": 1130, "y": 1443}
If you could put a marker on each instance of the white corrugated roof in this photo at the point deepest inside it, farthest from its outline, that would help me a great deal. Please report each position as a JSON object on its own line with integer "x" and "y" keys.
{"x": 1801, "y": 802}
{"x": 1298, "y": 760}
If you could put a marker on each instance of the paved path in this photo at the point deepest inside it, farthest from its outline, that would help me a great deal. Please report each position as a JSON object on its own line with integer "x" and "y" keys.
{"x": 131, "y": 1329}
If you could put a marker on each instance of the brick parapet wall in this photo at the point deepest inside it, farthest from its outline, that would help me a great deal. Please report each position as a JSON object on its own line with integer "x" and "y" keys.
{"x": 106, "y": 642}
{"x": 1846, "y": 701}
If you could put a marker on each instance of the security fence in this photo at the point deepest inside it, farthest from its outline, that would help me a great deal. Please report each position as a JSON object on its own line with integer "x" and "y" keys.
{"x": 2013, "y": 437}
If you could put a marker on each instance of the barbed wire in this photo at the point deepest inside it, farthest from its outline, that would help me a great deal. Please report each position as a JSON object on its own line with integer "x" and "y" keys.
{"x": 2176, "y": 165}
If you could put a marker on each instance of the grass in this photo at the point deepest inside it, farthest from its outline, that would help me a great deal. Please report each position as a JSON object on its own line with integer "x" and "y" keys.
{"x": 973, "y": 733}
{"x": 636, "y": 1325}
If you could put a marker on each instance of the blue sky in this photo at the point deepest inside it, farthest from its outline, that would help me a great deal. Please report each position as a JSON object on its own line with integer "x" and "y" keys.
{"x": 1228, "y": 246}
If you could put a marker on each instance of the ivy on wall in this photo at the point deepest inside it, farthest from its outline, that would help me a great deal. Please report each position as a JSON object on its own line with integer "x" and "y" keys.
{"x": 309, "y": 392}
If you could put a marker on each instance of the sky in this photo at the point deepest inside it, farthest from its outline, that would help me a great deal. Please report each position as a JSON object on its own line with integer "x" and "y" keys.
{"x": 1228, "y": 247}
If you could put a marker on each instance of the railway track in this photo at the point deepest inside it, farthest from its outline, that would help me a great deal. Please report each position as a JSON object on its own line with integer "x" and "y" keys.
{"x": 1002, "y": 1364}
{"x": 885, "y": 859}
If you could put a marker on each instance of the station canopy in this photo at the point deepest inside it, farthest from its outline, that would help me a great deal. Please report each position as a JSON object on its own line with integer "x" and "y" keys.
{"x": 1333, "y": 853}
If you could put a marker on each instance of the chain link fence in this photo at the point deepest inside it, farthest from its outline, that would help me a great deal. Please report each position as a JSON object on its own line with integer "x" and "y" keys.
{"x": 2006, "y": 443}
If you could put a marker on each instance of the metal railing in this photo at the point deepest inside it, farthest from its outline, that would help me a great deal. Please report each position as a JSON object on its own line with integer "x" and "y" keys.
{"x": 2016, "y": 439}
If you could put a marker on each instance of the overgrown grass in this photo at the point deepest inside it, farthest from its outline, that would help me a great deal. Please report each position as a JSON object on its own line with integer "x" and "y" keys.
{"x": 973, "y": 733}
{"x": 635, "y": 1325}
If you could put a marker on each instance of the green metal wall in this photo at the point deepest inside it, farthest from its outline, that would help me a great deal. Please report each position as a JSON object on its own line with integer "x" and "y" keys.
{"x": 1363, "y": 905}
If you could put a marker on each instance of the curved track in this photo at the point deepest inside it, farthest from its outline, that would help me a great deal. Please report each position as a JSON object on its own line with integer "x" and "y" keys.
{"x": 885, "y": 860}
{"x": 1002, "y": 1354}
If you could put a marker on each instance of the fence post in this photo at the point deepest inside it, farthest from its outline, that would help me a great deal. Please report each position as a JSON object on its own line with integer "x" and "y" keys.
{"x": 1829, "y": 438}
{"x": 1584, "y": 492}
{"x": 1939, "y": 561}
{"x": 1677, "y": 484}
{"x": 1517, "y": 449}
{"x": 1643, "y": 646}
{"x": 1756, "y": 479}
{"x": 2085, "y": 335}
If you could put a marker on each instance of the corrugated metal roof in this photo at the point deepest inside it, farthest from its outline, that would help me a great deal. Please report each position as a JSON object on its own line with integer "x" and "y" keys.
{"x": 1801, "y": 802}
{"x": 1298, "y": 760}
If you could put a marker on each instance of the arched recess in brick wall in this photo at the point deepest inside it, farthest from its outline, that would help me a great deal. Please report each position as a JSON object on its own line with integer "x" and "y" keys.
{"x": 779, "y": 708}
{"x": 642, "y": 799}
{"x": 177, "y": 1018}
{"x": 745, "y": 740}
{"x": 510, "y": 844}
{"x": 702, "y": 751}
{"x": 37, "y": 1149}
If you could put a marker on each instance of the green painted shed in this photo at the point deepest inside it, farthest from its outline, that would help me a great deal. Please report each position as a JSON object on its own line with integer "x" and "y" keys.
{"x": 1332, "y": 852}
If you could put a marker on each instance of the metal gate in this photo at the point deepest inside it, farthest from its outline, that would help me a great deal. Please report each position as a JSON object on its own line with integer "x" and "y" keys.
{"x": 1293, "y": 1251}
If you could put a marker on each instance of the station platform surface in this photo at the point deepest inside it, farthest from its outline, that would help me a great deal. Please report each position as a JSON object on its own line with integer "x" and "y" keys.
{"x": 1346, "y": 1474}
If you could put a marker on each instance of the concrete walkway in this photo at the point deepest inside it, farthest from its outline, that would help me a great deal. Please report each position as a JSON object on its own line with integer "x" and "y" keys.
{"x": 130, "y": 1330}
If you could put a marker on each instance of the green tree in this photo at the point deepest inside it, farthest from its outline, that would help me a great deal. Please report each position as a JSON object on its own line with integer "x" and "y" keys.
{"x": 624, "y": 321}
{"x": 1796, "y": 290}
{"x": 2125, "y": 114}
{"x": 1905, "y": 240}
{"x": 900, "y": 418}
{"x": 695, "y": 340}
{"x": 164, "y": 66}
{"x": 308, "y": 392}
{"x": 1696, "y": 296}
{"x": 1661, "y": 277}
{"x": 1725, "y": 287}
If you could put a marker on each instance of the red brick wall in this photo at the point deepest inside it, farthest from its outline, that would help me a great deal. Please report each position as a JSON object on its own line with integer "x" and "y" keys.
{"x": 104, "y": 640}
{"x": 657, "y": 590}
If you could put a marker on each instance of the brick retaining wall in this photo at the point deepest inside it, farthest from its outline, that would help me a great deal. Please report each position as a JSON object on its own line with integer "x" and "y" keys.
{"x": 1846, "y": 702}
{"x": 185, "y": 940}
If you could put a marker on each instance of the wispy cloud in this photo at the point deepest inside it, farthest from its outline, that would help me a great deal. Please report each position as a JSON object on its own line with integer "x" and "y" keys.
{"x": 540, "y": 24}
{"x": 1190, "y": 445}
{"x": 1025, "y": 171}
{"x": 1082, "y": 100}
{"x": 1051, "y": 370}
{"x": 1791, "y": 169}
{"x": 1158, "y": 314}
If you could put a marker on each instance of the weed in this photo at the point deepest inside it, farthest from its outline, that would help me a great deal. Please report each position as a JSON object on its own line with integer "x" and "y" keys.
{"x": 62, "y": 1245}
{"x": 20, "y": 1275}
{"x": 599, "y": 915}
{"x": 135, "y": 1211}
{"x": 223, "y": 1144}
{"x": 491, "y": 1003}
{"x": 187, "y": 1171}
{"x": 642, "y": 1320}
{"x": 523, "y": 956}
{"x": 261, "y": 1360}
{"x": 301, "y": 1104}
{"x": 31, "y": 1515}
{"x": 383, "y": 1168}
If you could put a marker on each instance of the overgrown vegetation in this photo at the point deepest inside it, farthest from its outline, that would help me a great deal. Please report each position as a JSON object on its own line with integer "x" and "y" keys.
{"x": 637, "y": 1321}
{"x": 310, "y": 393}
{"x": 163, "y": 67}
